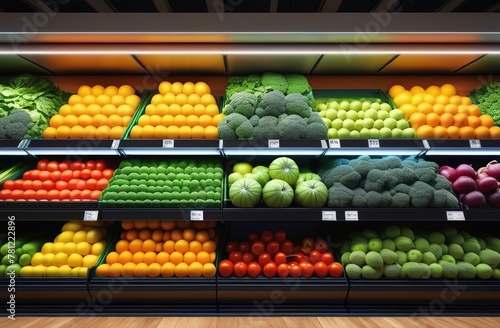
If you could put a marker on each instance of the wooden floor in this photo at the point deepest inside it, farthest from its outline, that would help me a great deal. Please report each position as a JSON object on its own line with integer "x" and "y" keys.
{"x": 249, "y": 322}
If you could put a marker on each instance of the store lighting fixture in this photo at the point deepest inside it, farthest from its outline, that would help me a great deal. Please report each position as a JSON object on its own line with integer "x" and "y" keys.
{"x": 274, "y": 151}
{"x": 72, "y": 152}
{"x": 170, "y": 151}
{"x": 373, "y": 152}
{"x": 463, "y": 152}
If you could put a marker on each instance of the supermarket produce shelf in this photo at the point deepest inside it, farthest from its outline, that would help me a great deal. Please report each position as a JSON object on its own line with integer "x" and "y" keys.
{"x": 399, "y": 147}
{"x": 170, "y": 147}
{"x": 275, "y": 147}
{"x": 173, "y": 214}
{"x": 12, "y": 147}
{"x": 68, "y": 147}
{"x": 35, "y": 214}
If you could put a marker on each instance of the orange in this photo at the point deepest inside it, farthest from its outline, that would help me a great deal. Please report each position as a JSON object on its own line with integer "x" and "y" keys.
{"x": 111, "y": 90}
{"x": 154, "y": 270}
{"x": 417, "y": 99}
{"x": 176, "y": 234}
{"x": 166, "y": 236}
{"x": 460, "y": 120}
{"x": 103, "y": 132}
{"x": 114, "y": 120}
{"x": 149, "y": 257}
{"x": 403, "y": 98}
{"x": 122, "y": 246}
{"x": 117, "y": 100}
{"x": 162, "y": 258}
{"x": 102, "y": 99}
{"x": 183, "y": 224}
{"x": 125, "y": 110}
{"x": 132, "y": 101}
{"x": 217, "y": 118}
{"x": 161, "y": 109}
{"x": 211, "y": 132}
{"x": 127, "y": 225}
{"x": 89, "y": 132}
{"x": 141, "y": 270}
{"x": 181, "y": 270}
{"x": 440, "y": 132}
{"x": 202, "y": 236}
{"x": 175, "y": 109}
{"x": 446, "y": 120}
{"x": 432, "y": 119}
{"x": 138, "y": 257}
{"x": 181, "y": 99}
{"x": 94, "y": 109}
{"x": 167, "y": 225}
{"x": 135, "y": 245}
{"x": 71, "y": 120}
{"x": 144, "y": 120}
{"x": 109, "y": 109}
{"x": 160, "y": 132}
{"x": 98, "y": 90}
{"x": 125, "y": 257}
{"x": 126, "y": 90}
{"x": 157, "y": 99}
{"x": 167, "y": 120}
{"x": 102, "y": 270}
{"x": 450, "y": 108}
{"x": 416, "y": 90}
{"x": 473, "y": 121}
{"x": 203, "y": 257}
{"x": 99, "y": 120}
{"x": 195, "y": 246}
{"x": 63, "y": 132}
{"x": 201, "y": 88}
{"x": 176, "y": 257}
{"x": 151, "y": 109}
{"x": 425, "y": 132}
{"x": 467, "y": 132}
{"x": 149, "y": 245}
{"x": 187, "y": 110}
{"x": 188, "y": 88}
{"x": 157, "y": 236}
{"x": 185, "y": 132}
{"x": 474, "y": 110}
{"x": 482, "y": 132}
{"x": 438, "y": 109}
{"x": 442, "y": 99}
{"x": 212, "y": 110}
{"x": 159, "y": 247}
{"x": 486, "y": 120}
{"x": 495, "y": 132}
{"x": 424, "y": 108}
{"x": 209, "y": 270}
{"x": 164, "y": 87}
{"x": 194, "y": 99}
{"x": 430, "y": 99}
{"x": 128, "y": 269}
{"x": 84, "y": 90}
{"x": 396, "y": 90}
{"x": 198, "y": 132}
{"x": 173, "y": 132}
{"x": 213, "y": 256}
{"x": 77, "y": 109}
{"x": 126, "y": 120}
{"x": 76, "y": 132}
{"x": 112, "y": 257}
{"x": 180, "y": 120}
{"x": 84, "y": 120}
{"x": 456, "y": 100}
{"x": 169, "y": 246}
{"x": 155, "y": 120}
{"x": 139, "y": 225}
{"x": 49, "y": 133}
{"x": 116, "y": 132}
{"x": 189, "y": 257}
{"x": 198, "y": 109}
{"x": 168, "y": 270}
{"x": 208, "y": 99}
{"x": 466, "y": 101}
{"x": 453, "y": 132}
{"x": 182, "y": 246}
{"x": 192, "y": 120}
{"x": 417, "y": 119}
{"x": 88, "y": 99}
{"x": 176, "y": 88}
{"x": 195, "y": 269}
{"x": 74, "y": 99}
{"x": 448, "y": 90}
{"x": 209, "y": 246}
{"x": 115, "y": 270}
{"x": 169, "y": 99}
{"x": 148, "y": 131}
{"x": 188, "y": 235}
{"x": 205, "y": 120}
{"x": 433, "y": 90}
{"x": 131, "y": 235}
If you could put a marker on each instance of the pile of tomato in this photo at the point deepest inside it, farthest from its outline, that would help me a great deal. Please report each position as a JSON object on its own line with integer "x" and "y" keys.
{"x": 60, "y": 181}
{"x": 271, "y": 254}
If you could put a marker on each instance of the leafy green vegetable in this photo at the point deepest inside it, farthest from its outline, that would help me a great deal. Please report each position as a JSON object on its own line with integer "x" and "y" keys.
{"x": 488, "y": 99}
{"x": 39, "y": 97}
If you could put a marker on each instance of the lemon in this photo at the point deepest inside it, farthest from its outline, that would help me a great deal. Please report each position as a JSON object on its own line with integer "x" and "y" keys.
{"x": 94, "y": 235}
{"x": 48, "y": 259}
{"x": 64, "y": 271}
{"x": 47, "y": 248}
{"x": 75, "y": 260}
{"x": 73, "y": 226}
{"x": 38, "y": 271}
{"x": 89, "y": 260}
{"x": 98, "y": 248}
{"x": 82, "y": 272}
{"x": 69, "y": 248}
{"x": 65, "y": 236}
{"x": 74, "y": 272}
{"x": 26, "y": 271}
{"x": 37, "y": 259}
{"x": 52, "y": 271}
{"x": 83, "y": 248}
{"x": 61, "y": 259}
{"x": 80, "y": 236}
{"x": 58, "y": 247}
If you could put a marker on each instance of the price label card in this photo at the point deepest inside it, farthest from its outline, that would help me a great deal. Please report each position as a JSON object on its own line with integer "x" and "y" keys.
{"x": 196, "y": 216}
{"x": 90, "y": 215}
{"x": 115, "y": 144}
{"x": 334, "y": 143}
{"x": 168, "y": 143}
{"x": 474, "y": 143}
{"x": 426, "y": 144}
{"x": 329, "y": 216}
{"x": 455, "y": 216}
{"x": 373, "y": 143}
{"x": 273, "y": 144}
{"x": 351, "y": 216}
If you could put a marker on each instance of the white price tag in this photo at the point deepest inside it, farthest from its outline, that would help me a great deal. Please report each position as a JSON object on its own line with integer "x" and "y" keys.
{"x": 474, "y": 143}
{"x": 168, "y": 143}
{"x": 115, "y": 144}
{"x": 329, "y": 216}
{"x": 90, "y": 215}
{"x": 273, "y": 144}
{"x": 334, "y": 143}
{"x": 351, "y": 216}
{"x": 426, "y": 144}
{"x": 455, "y": 216}
{"x": 373, "y": 143}
{"x": 196, "y": 216}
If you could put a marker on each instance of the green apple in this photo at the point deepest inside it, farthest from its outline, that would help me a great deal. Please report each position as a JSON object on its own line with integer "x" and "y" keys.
{"x": 378, "y": 101}
{"x": 375, "y": 106}
{"x": 344, "y": 105}
{"x": 356, "y": 105}
{"x": 358, "y": 124}
{"x": 379, "y": 124}
{"x": 242, "y": 168}
{"x": 409, "y": 133}
{"x": 354, "y": 134}
{"x": 348, "y": 124}
{"x": 260, "y": 168}
{"x": 342, "y": 114}
{"x": 365, "y": 105}
{"x": 396, "y": 114}
{"x": 402, "y": 124}
{"x": 371, "y": 113}
{"x": 331, "y": 114}
{"x": 343, "y": 133}
{"x": 364, "y": 133}
{"x": 385, "y": 107}
{"x": 322, "y": 113}
{"x": 361, "y": 114}
{"x": 337, "y": 123}
{"x": 368, "y": 122}
{"x": 351, "y": 114}
{"x": 233, "y": 177}
{"x": 414, "y": 255}
{"x": 385, "y": 133}
{"x": 327, "y": 121}
{"x": 332, "y": 133}
{"x": 382, "y": 114}
{"x": 390, "y": 123}
{"x": 397, "y": 133}
{"x": 321, "y": 107}
{"x": 374, "y": 133}
{"x": 332, "y": 104}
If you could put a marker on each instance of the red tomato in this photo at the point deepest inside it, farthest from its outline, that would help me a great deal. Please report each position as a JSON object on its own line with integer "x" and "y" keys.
{"x": 29, "y": 194}
{"x": 295, "y": 271}
{"x": 301, "y": 258}
{"x": 27, "y": 185}
{"x": 100, "y": 165}
{"x": 279, "y": 236}
{"x": 226, "y": 268}
{"x": 92, "y": 184}
{"x": 72, "y": 184}
{"x": 265, "y": 258}
{"x": 60, "y": 185}
{"x": 107, "y": 173}
{"x": 307, "y": 245}
{"x": 258, "y": 247}
{"x": 85, "y": 174}
{"x": 286, "y": 247}
{"x": 296, "y": 249}
{"x": 53, "y": 194}
{"x": 102, "y": 184}
{"x": 52, "y": 166}
{"x": 280, "y": 258}
{"x": 63, "y": 166}
{"x": 252, "y": 236}
{"x": 37, "y": 185}
{"x": 66, "y": 175}
{"x": 90, "y": 165}
{"x": 64, "y": 194}
{"x": 75, "y": 194}
{"x": 321, "y": 269}
{"x": 282, "y": 270}
{"x": 314, "y": 256}
{"x": 48, "y": 185}
{"x": 240, "y": 269}
{"x": 254, "y": 269}
{"x": 55, "y": 176}
{"x": 327, "y": 258}
{"x": 42, "y": 164}
{"x": 86, "y": 194}
{"x": 232, "y": 246}
{"x": 321, "y": 245}
{"x": 272, "y": 247}
{"x": 9, "y": 184}
{"x": 248, "y": 257}
{"x": 17, "y": 194}
{"x": 5, "y": 193}
{"x": 244, "y": 246}
{"x": 77, "y": 174}
{"x": 236, "y": 256}
{"x": 18, "y": 184}
{"x": 76, "y": 165}
{"x": 41, "y": 194}
{"x": 307, "y": 269}
{"x": 292, "y": 263}
{"x": 95, "y": 194}
{"x": 96, "y": 174}
{"x": 44, "y": 175}
{"x": 81, "y": 185}
{"x": 269, "y": 270}
{"x": 266, "y": 236}
{"x": 335, "y": 269}
{"x": 27, "y": 175}
{"x": 35, "y": 174}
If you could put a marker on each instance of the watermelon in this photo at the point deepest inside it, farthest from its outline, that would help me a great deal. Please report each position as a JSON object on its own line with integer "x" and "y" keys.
{"x": 307, "y": 176}
{"x": 311, "y": 193}
{"x": 284, "y": 168}
{"x": 245, "y": 192}
{"x": 277, "y": 193}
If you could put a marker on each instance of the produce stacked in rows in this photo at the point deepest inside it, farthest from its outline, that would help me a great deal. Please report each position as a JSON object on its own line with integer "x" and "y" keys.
{"x": 180, "y": 110}
{"x": 438, "y": 112}
{"x": 278, "y": 185}
{"x": 95, "y": 112}
{"x": 76, "y": 249}
{"x": 26, "y": 105}
{"x": 162, "y": 248}
{"x": 397, "y": 252}
{"x": 60, "y": 181}
{"x": 352, "y": 119}
{"x": 16, "y": 255}
{"x": 162, "y": 182}
{"x": 488, "y": 99}
{"x": 479, "y": 188}
{"x": 386, "y": 182}
{"x": 271, "y": 254}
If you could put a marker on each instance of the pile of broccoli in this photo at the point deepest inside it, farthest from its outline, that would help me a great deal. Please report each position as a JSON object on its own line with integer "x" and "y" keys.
{"x": 488, "y": 99}
{"x": 386, "y": 182}
{"x": 274, "y": 116}
{"x": 16, "y": 125}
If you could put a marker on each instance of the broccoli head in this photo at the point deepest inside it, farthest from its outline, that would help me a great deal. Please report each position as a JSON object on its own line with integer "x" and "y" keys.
{"x": 375, "y": 180}
{"x": 243, "y": 103}
{"x": 234, "y": 120}
{"x": 425, "y": 174}
{"x": 362, "y": 165}
{"x": 344, "y": 174}
{"x": 440, "y": 182}
{"x": 421, "y": 194}
{"x": 225, "y": 132}
{"x": 267, "y": 128}
{"x": 245, "y": 130}
{"x": 400, "y": 200}
{"x": 385, "y": 199}
{"x": 373, "y": 199}
{"x": 292, "y": 127}
{"x": 15, "y": 125}
{"x": 275, "y": 81}
{"x": 315, "y": 118}
{"x": 254, "y": 120}
{"x": 297, "y": 104}
{"x": 297, "y": 83}
{"x": 389, "y": 162}
{"x": 317, "y": 131}
{"x": 271, "y": 104}
{"x": 339, "y": 195}
{"x": 400, "y": 188}
{"x": 444, "y": 198}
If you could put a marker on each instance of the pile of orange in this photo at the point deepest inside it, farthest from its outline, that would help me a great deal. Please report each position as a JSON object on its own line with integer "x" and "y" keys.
{"x": 162, "y": 248}
{"x": 94, "y": 113}
{"x": 180, "y": 111}
{"x": 438, "y": 112}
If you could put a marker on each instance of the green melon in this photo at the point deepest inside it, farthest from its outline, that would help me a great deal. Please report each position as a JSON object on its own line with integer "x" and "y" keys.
{"x": 277, "y": 193}
{"x": 285, "y": 169}
{"x": 311, "y": 193}
{"x": 245, "y": 192}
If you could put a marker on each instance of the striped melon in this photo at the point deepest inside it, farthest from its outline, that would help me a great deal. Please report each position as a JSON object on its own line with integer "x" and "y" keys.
{"x": 311, "y": 193}
{"x": 277, "y": 193}
{"x": 245, "y": 192}
{"x": 285, "y": 169}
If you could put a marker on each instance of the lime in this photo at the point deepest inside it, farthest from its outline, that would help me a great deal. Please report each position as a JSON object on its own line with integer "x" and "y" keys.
{"x": 210, "y": 195}
{"x": 157, "y": 195}
{"x": 210, "y": 175}
{"x": 123, "y": 195}
{"x": 194, "y": 195}
{"x": 161, "y": 176}
{"x": 165, "y": 195}
{"x": 176, "y": 189}
{"x": 186, "y": 183}
{"x": 185, "y": 195}
{"x": 182, "y": 164}
{"x": 177, "y": 183}
{"x": 188, "y": 170}
{"x": 171, "y": 176}
{"x": 202, "y": 176}
{"x": 142, "y": 195}
{"x": 160, "y": 183}
{"x": 217, "y": 183}
{"x": 202, "y": 194}
{"x": 161, "y": 169}
{"x": 142, "y": 187}
{"x": 134, "y": 182}
{"x": 167, "y": 189}
{"x": 209, "y": 188}
{"x": 218, "y": 189}
{"x": 156, "y": 203}
{"x": 185, "y": 189}
{"x": 144, "y": 176}
{"x": 143, "y": 182}
{"x": 132, "y": 188}
{"x": 170, "y": 169}
{"x": 175, "y": 195}
{"x": 194, "y": 184}
{"x": 158, "y": 189}
{"x": 203, "y": 183}
{"x": 151, "y": 183}
{"x": 127, "y": 170}
{"x": 179, "y": 170}
{"x": 152, "y": 176}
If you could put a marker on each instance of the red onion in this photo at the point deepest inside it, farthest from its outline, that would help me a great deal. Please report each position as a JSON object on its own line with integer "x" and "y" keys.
{"x": 494, "y": 199}
{"x": 493, "y": 170}
{"x": 466, "y": 170}
{"x": 463, "y": 184}
{"x": 486, "y": 184}
{"x": 448, "y": 172}
{"x": 474, "y": 199}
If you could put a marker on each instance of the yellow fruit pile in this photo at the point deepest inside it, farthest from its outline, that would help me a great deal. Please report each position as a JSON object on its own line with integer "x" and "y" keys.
{"x": 73, "y": 251}
{"x": 162, "y": 248}
{"x": 180, "y": 111}
{"x": 94, "y": 113}
{"x": 438, "y": 112}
